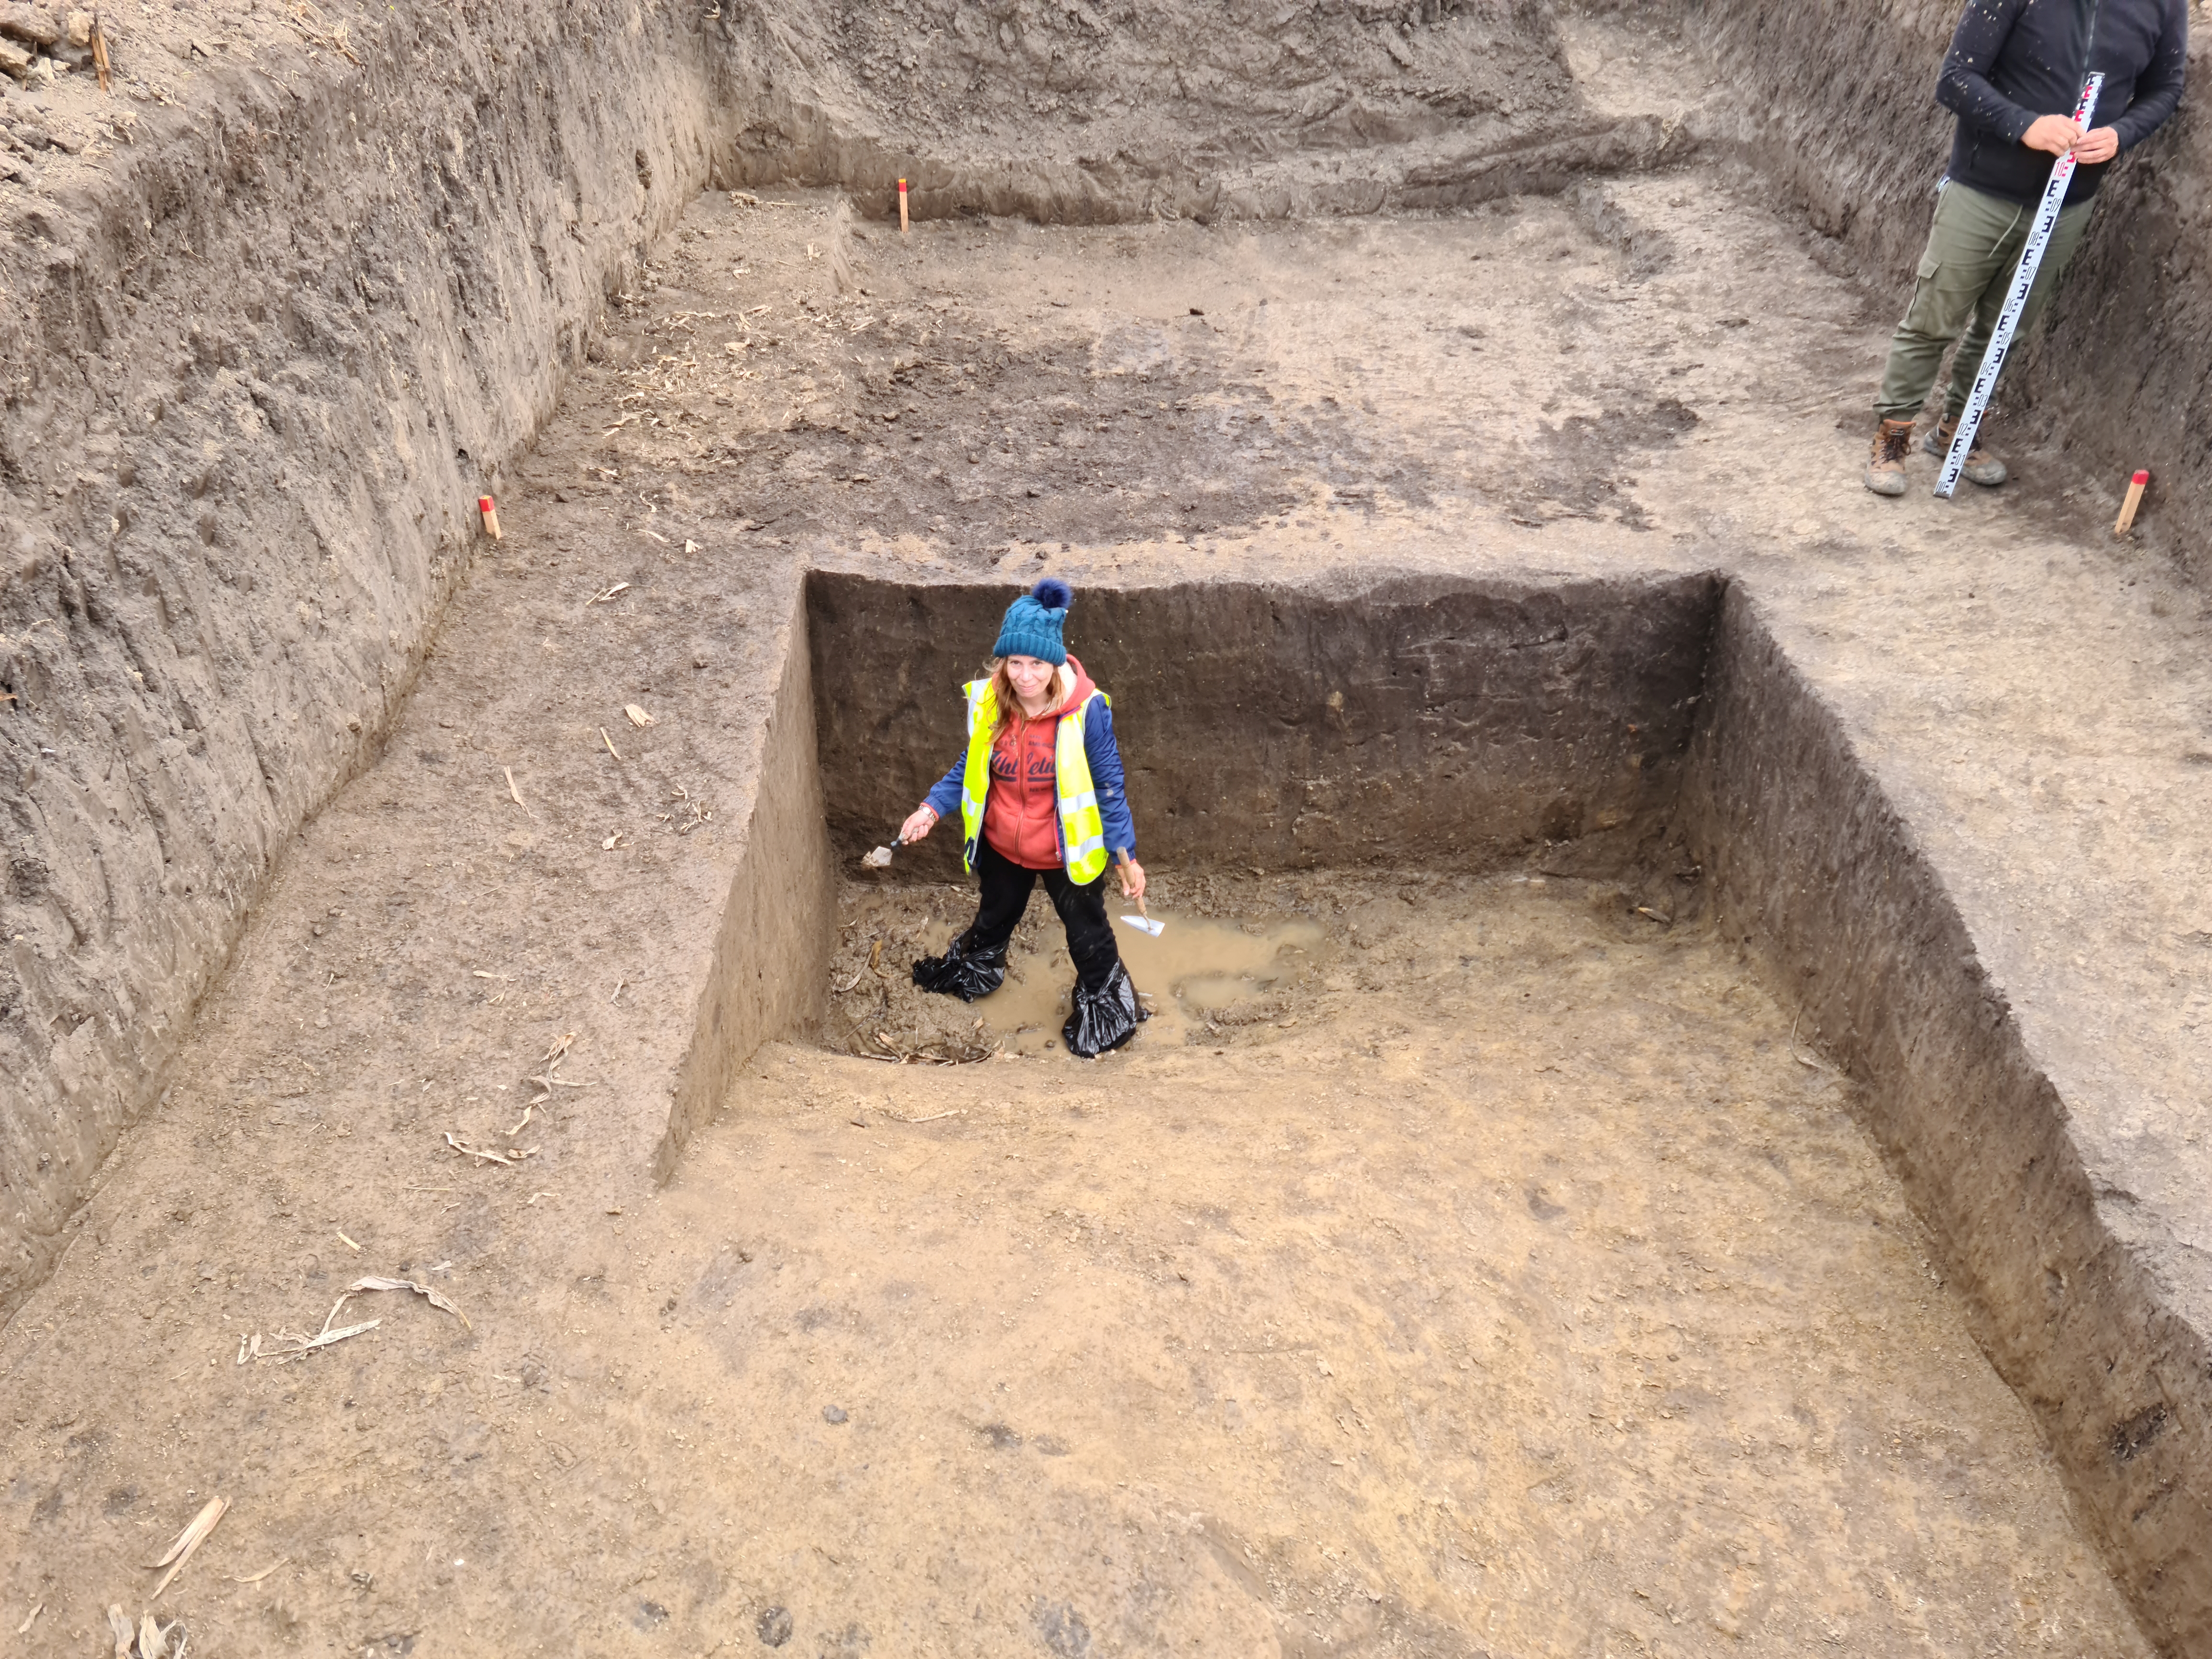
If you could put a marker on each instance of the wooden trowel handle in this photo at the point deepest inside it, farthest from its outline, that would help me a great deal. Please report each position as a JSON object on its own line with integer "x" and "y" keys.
{"x": 1122, "y": 858}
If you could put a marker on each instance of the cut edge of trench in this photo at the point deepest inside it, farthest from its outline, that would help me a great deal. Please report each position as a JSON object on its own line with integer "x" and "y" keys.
{"x": 1815, "y": 874}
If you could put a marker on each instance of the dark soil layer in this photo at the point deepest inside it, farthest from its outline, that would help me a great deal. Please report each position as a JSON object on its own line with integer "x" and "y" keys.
{"x": 1284, "y": 726}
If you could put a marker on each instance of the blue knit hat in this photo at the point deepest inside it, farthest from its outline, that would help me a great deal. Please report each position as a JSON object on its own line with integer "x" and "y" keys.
{"x": 1033, "y": 623}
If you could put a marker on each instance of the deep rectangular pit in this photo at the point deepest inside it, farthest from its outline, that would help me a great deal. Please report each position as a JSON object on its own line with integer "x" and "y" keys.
{"x": 1562, "y": 1106}
{"x": 1631, "y": 732}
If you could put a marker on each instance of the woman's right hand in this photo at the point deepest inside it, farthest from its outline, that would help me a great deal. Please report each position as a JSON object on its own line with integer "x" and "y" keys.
{"x": 919, "y": 823}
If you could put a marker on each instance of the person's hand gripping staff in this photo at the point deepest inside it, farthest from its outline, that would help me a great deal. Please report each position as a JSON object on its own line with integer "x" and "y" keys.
{"x": 2057, "y": 134}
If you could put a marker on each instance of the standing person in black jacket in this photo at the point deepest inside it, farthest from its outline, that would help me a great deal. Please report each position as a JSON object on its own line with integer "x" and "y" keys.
{"x": 2014, "y": 77}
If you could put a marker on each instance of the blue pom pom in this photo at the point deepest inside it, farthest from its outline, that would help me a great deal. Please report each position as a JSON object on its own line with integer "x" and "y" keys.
{"x": 1054, "y": 594}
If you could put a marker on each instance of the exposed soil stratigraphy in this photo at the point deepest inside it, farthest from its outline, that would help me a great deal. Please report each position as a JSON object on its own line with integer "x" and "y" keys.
{"x": 1669, "y": 1120}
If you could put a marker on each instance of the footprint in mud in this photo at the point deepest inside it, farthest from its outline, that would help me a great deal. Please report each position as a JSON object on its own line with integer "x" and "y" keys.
{"x": 1542, "y": 1207}
{"x": 1063, "y": 1629}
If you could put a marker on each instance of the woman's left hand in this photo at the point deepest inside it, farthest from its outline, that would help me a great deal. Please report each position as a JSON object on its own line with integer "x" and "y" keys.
{"x": 1133, "y": 882}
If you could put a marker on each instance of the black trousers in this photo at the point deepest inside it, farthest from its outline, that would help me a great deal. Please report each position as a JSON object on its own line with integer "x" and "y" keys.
{"x": 1007, "y": 889}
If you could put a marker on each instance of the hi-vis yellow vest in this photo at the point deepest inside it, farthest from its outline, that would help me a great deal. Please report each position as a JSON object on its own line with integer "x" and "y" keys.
{"x": 1082, "y": 831}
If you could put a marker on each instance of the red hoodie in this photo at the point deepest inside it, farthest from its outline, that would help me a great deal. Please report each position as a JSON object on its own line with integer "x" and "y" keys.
{"x": 1021, "y": 814}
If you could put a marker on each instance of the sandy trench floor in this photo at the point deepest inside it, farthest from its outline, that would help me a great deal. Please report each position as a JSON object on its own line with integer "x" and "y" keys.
{"x": 626, "y": 1451}
{"x": 1522, "y": 1258}
{"x": 1522, "y": 1288}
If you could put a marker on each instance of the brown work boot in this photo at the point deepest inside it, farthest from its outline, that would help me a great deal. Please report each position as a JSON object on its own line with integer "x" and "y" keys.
{"x": 1892, "y": 442}
{"x": 1981, "y": 467}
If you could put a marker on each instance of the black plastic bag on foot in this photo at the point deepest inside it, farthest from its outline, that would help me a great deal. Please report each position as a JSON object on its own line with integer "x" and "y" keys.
{"x": 959, "y": 974}
{"x": 1104, "y": 1018}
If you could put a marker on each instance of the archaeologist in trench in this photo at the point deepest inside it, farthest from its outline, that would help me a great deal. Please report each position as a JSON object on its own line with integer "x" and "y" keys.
{"x": 1040, "y": 793}
{"x": 2014, "y": 77}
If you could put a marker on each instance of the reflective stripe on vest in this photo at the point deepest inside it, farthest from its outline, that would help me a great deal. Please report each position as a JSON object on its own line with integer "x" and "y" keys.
{"x": 1082, "y": 831}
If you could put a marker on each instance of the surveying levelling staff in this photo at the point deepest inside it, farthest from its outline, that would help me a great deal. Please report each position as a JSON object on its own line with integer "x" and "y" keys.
{"x": 2012, "y": 64}
{"x": 1040, "y": 793}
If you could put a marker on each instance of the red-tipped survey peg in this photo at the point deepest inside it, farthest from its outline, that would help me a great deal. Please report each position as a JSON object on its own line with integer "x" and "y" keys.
{"x": 2134, "y": 501}
{"x": 902, "y": 223}
{"x": 490, "y": 516}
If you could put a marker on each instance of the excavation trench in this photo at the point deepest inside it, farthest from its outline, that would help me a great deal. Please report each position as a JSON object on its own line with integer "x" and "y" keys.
{"x": 1472, "y": 724}
{"x": 1478, "y": 728}
{"x": 1629, "y": 765}
{"x": 1583, "y": 1100}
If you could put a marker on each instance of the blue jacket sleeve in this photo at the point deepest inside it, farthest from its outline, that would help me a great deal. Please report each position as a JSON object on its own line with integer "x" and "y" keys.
{"x": 943, "y": 798}
{"x": 1105, "y": 757}
{"x": 2158, "y": 89}
{"x": 1965, "y": 88}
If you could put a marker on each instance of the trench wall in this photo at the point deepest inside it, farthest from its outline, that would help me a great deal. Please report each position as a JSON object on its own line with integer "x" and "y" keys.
{"x": 254, "y": 369}
{"x": 771, "y": 959}
{"x": 1419, "y": 719}
{"x": 257, "y": 363}
{"x": 1234, "y": 109}
{"x": 1815, "y": 872}
{"x": 804, "y": 145}
{"x": 1834, "y": 100}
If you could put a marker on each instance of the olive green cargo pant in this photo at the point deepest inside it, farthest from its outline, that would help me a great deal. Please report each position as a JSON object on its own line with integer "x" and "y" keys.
{"x": 1973, "y": 252}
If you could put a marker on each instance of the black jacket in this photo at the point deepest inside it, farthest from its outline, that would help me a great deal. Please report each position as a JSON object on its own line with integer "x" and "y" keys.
{"x": 2013, "y": 60}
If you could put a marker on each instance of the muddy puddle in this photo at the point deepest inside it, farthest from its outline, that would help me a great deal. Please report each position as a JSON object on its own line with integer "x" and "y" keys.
{"x": 1203, "y": 975}
{"x": 1197, "y": 974}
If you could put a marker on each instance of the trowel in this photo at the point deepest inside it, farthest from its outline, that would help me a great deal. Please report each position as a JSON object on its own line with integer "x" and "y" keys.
{"x": 1142, "y": 923}
{"x": 878, "y": 859}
